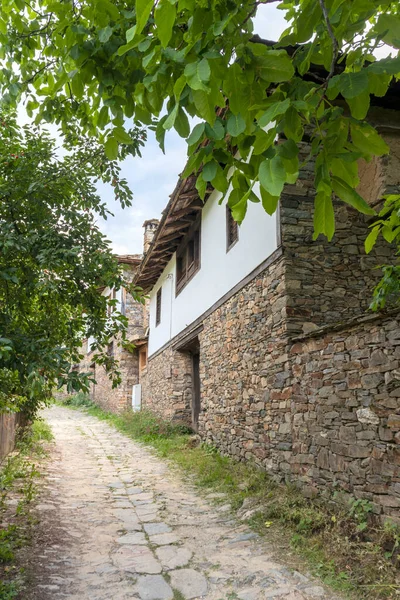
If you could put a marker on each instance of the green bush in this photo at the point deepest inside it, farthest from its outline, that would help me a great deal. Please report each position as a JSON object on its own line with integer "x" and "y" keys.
{"x": 79, "y": 399}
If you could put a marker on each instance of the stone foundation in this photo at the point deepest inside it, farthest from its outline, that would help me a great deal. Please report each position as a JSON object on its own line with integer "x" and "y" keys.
{"x": 167, "y": 385}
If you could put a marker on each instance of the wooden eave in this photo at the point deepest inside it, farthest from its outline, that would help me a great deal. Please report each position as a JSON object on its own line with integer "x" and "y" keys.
{"x": 178, "y": 216}
{"x": 129, "y": 259}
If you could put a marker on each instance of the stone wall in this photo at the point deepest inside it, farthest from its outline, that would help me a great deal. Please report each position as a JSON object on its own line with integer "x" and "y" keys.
{"x": 345, "y": 412}
{"x": 333, "y": 281}
{"x": 167, "y": 385}
{"x": 241, "y": 347}
{"x": 102, "y": 392}
{"x": 323, "y": 411}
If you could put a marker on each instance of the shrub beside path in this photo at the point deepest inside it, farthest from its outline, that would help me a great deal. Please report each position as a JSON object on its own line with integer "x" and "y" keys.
{"x": 123, "y": 525}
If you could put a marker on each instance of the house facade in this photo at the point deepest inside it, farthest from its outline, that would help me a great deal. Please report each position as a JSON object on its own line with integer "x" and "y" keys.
{"x": 102, "y": 392}
{"x": 259, "y": 339}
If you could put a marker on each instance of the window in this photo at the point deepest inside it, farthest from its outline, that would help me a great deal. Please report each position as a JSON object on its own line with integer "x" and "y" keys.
{"x": 158, "y": 307}
{"x": 188, "y": 257}
{"x": 123, "y": 301}
{"x": 232, "y": 229}
{"x": 111, "y": 296}
{"x": 110, "y": 350}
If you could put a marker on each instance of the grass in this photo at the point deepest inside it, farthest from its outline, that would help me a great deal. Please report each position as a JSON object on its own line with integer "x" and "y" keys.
{"x": 343, "y": 544}
{"x": 18, "y": 481}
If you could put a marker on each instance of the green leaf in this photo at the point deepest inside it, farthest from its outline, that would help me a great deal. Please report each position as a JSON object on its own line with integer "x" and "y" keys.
{"x": 292, "y": 125}
{"x": 220, "y": 181}
{"x": 170, "y": 120}
{"x": 204, "y": 105}
{"x": 198, "y": 74}
{"x": 103, "y": 119}
{"x": 348, "y": 171}
{"x": 196, "y": 134}
{"x": 237, "y": 202}
{"x": 209, "y": 171}
{"x": 389, "y": 26}
{"x": 272, "y": 175}
{"x": 269, "y": 202}
{"x": 193, "y": 164}
{"x": 201, "y": 187}
{"x": 125, "y": 48}
{"x": 235, "y": 125}
{"x": 236, "y": 89}
{"x": 122, "y": 136}
{"x": 179, "y": 86}
{"x": 77, "y": 85}
{"x": 359, "y": 106}
{"x": 160, "y": 133}
{"x": 350, "y": 85}
{"x": 288, "y": 149}
{"x": 105, "y": 34}
{"x": 324, "y": 216}
{"x": 367, "y": 139}
{"x": 278, "y": 108}
{"x": 182, "y": 123}
{"x": 216, "y": 132}
{"x": 350, "y": 196}
{"x": 371, "y": 239}
{"x": 109, "y": 8}
{"x": 274, "y": 66}
{"x": 130, "y": 34}
{"x": 390, "y": 66}
{"x": 264, "y": 140}
{"x": 111, "y": 148}
{"x": 143, "y": 10}
{"x": 378, "y": 84}
{"x": 165, "y": 15}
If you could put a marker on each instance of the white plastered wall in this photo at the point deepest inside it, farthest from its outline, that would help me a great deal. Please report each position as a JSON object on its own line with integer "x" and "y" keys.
{"x": 219, "y": 272}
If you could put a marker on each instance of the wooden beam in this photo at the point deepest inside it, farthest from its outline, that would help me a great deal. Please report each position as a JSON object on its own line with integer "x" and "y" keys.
{"x": 170, "y": 237}
{"x": 176, "y": 225}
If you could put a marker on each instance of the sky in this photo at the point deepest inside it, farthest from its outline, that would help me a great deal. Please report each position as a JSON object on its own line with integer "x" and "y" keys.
{"x": 153, "y": 177}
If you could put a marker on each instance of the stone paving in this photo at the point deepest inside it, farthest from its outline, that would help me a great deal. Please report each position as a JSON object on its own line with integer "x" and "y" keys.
{"x": 125, "y": 526}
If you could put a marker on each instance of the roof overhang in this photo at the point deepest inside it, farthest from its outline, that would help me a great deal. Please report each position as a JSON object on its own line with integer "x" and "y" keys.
{"x": 178, "y": 216}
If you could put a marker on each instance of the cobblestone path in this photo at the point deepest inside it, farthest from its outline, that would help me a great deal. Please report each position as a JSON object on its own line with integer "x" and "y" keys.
{"x": 124, "y": 525}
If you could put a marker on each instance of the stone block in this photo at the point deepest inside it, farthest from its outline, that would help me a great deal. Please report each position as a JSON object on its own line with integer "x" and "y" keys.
{"x": 366, "y": 415}
{"x": 394, "y": 422}
{"x": 386, "y": 500}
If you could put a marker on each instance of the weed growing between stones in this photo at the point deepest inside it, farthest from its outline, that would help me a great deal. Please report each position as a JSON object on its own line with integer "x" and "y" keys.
{"x": 18, "y": 487}
{"x": 343, "y": 543}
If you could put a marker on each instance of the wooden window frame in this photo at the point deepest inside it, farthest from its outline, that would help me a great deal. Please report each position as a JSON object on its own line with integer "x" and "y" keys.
{"x": 123, "y": 301}
{"x": 190, "y": 249}
{"x": 158, "y": 306}
{"x": 229, "y": 221}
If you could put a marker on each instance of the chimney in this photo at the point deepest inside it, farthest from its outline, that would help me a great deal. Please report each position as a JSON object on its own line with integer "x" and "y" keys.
{"x": 150, "y": 227}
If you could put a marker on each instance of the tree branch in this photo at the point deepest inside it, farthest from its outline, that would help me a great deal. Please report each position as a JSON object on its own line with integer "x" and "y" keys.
{"x": 335, "y": 44}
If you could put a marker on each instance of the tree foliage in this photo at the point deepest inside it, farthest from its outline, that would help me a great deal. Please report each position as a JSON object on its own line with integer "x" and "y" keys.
{"x": 160, "y": 62}
{"x": 53, "y": 259}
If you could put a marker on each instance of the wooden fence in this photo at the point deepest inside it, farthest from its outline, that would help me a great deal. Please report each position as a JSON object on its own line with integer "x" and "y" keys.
{"x": 8, "y": 427}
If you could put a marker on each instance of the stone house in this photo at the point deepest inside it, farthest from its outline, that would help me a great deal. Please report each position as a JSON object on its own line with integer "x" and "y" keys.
{"x": 259, "y": 336}
{"x": 123, "y": 396}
